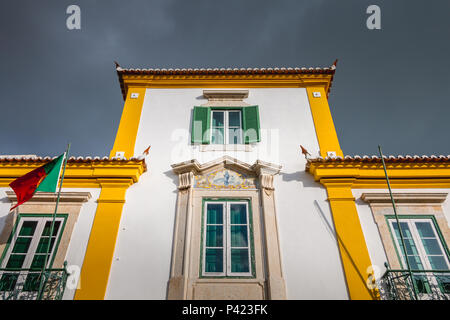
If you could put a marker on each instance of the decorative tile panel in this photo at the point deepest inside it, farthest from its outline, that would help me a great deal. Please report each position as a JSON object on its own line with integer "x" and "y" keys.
{"x": 224, "y": 179}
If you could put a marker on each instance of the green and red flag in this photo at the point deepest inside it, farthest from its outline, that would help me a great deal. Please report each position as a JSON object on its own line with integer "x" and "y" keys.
{"x": 44, "y": 178}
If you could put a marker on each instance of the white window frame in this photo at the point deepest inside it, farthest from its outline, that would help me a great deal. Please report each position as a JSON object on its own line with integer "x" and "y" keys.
{"x": 418, "y": 241}
{"x": 226, "y": 127}
{"x": 227, "y": 240}
{"x": 420, "y": 249}
{"x": 41, "y": 221}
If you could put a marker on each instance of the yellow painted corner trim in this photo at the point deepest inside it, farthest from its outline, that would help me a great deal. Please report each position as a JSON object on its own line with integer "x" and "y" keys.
{"x": 323, "y": 121}
{"x": 129, "y": 122}
{"x": 97, "y": 262}
{"x": 352, "y": 245}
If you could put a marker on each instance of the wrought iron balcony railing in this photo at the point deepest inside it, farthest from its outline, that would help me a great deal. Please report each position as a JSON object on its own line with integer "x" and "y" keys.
{"x": 419, "y": 284}
{"x": 24, "y": 284}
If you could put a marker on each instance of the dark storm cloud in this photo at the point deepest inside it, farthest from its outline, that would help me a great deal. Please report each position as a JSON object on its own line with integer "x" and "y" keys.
{"x": 57, "y": 85}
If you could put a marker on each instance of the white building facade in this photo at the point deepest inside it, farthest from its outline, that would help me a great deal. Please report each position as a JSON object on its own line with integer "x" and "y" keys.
{"x": 217, "y": 201}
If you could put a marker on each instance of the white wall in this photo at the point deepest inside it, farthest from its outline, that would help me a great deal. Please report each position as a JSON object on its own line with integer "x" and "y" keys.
{"x": 141, "y": 265}
{"x": 80, "y": 238}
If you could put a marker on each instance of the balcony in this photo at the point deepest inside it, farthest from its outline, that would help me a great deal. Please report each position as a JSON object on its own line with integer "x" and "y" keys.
{"x": 425, "y": 285}
{"x": 24, "y": 284}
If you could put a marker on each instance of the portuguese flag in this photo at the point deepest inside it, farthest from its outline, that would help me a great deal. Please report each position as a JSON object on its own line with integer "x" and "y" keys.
{"x": 44, "y": 179}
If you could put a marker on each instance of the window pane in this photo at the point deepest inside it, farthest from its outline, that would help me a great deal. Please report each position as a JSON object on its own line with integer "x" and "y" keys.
{"x": 431, "y": 246}
{"x": 410, "y": 247}
{"x": 217, "y": 119}
{"x": 239, "y": 260}
{"x": 217, "y": 136}
{"x": 425, "y": 230}
{"x": 214, "y": 213}
{"x": 47, "y": 228}
{"x": 421, "y": 284}
{"x": 28, "y": 228}
{"x": 38, "y": 261}
{"x": 234, "y": 119}
{"x": 238, "y": 213}
{"x": 415, "y": 263}
{"x": 239, "y": 236}
{"x": 43, "y": 245}
{"x": 15, "y": 261}
{"x": 405, "y": 230}
{"x": 214, "y": 236}
{"x": 438, "y": 262}
{"x": 234, "y": 136}
{"x": 8, "y": 281}
{"x": 214, "y": 260}
{"x": 32, "y": 282}
{"x": 21, "y": 245}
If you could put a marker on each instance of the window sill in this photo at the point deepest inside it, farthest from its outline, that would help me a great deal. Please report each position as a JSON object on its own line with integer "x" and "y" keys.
{"x": 226, "y": 147}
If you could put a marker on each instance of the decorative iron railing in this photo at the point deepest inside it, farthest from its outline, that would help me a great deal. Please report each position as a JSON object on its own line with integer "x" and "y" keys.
{"x": 25, "y": 284}
{"x": 417, "y": 284}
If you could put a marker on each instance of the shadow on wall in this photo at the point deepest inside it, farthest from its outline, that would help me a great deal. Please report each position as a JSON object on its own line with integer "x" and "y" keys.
{"x": 5, "y": 200}
{"x": 174, "y": 232}
{"x": 306, "y": 179}
{"x": 338, "y": 239}
{"x": 6, "y": 223}
{"x": 174, "y": 178}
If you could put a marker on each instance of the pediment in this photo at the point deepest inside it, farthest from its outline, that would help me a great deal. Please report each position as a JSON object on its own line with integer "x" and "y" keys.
{"x": 227, "y": 162}
{"x": 225, "y": 173}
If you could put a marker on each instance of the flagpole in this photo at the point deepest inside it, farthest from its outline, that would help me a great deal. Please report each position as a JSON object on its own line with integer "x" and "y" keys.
{"x": 42, "y": 283}
{"x": 398, "y": 223}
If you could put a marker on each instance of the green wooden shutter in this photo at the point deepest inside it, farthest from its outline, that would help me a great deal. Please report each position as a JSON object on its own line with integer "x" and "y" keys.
{"x": 200, "y": 125}
{"x": 250, "y": 124}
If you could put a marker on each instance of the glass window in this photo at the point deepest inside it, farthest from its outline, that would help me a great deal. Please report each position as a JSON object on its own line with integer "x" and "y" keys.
{"x": 423, "y": 246}
{"x": 226, "y": 127}
{"x": 227, "y": 239}
{"x": 28, "y": 250}
{"x": 424, "y": 250}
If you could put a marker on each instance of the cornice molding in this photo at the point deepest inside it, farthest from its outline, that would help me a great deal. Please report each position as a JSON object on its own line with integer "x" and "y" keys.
{"x": 82, "y": 174}
{"x": 225, "y": 94}
{"x": 51, "y": 197}
{"x": 258, "y": 168}
{"x": 403, "y": 197}
{"x": 373, "y": 171}
{"x": 282, "y": 80}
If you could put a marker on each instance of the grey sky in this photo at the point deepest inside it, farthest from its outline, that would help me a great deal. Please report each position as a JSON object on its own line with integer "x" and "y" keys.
{"x": 391, "y": 86}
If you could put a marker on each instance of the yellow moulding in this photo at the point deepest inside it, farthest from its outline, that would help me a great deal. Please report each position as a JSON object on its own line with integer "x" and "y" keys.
{"x": 352, "y": 245}
{"x": 227, "y": 81}
{"x": 402, "y": 183}
{"x": 79, "y": 174}
{"x": 400, "y": 173}
{"x": 323, "y": 122}
{"x": 129, "y": 122}
{"x": 102, "y": 241}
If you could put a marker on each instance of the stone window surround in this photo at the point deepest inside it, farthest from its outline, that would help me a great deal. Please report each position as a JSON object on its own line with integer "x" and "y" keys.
{"x": 411, "y": 204}
{"x": 70, "y": 203}
{"x": 185, "y": 281}
{"x": 226, "y": 98}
